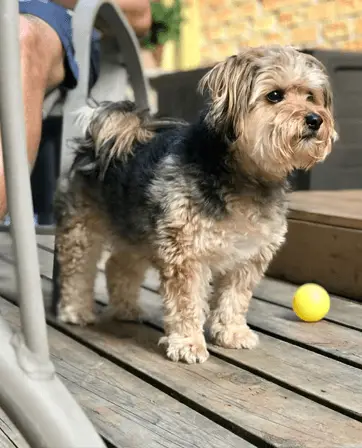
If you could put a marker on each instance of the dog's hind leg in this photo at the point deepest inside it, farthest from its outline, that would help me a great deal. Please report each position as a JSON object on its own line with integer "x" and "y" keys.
{"x": 78, "y": 248}
{"x": 125, "y": 271}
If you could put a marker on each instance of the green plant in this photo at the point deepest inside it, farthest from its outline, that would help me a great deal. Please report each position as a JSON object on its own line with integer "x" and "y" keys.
{"x": 166, "y": 21}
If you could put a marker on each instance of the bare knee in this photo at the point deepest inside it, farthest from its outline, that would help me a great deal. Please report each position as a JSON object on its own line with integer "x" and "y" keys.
{"x": 41, "y": 53}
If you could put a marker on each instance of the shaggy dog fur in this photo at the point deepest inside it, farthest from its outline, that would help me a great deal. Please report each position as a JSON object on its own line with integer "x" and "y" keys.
{"x": 203, "y": 203}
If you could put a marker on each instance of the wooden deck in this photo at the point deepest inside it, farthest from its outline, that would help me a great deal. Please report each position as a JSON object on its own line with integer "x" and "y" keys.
{"x": 324, "y": 241}
{"x": 302, "y": 387}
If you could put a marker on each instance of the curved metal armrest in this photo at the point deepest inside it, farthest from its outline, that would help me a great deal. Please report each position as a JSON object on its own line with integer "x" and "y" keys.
{"x": 31, "y": 393}
{"x": 108, "y": 12}
{"x": 84, "y": 18}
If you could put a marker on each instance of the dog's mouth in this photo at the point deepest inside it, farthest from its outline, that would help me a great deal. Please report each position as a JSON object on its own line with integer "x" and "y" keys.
{"x": 309, "y": 135}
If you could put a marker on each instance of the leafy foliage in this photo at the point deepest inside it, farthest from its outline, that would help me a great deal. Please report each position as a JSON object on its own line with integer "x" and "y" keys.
{"x": 166, "y": 21}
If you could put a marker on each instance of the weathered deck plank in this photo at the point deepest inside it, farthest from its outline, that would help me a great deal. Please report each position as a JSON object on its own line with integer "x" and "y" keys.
{"x": 324, "y": 337}
{"x": 330, "y": 382}
{"x": 344, "y": 386}
{"x": 126, "y": 410}
{"x": 345, "y": 312}
{"x": 10, "y": 437}
{"x": 323, "y": 243}
{"x": 273, "y": 315}
{"x": 264, "y": 409}
{"x": 247, "y": 401}
{"x": 269, "y": 393}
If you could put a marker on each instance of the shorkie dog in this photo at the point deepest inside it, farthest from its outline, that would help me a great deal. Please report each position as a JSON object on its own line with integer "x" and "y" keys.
{"x": 203, "y": 203}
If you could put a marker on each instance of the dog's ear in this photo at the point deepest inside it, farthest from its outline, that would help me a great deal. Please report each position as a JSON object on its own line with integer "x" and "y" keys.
{"x": 328, "y": 104}
{"x": 328, "y": 96}
{"x": 315, "y": 63}
{"x": 229, "y": 85}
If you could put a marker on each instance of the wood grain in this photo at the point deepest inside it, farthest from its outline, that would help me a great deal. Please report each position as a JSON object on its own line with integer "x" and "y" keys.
{"x": 312, "y": 374}
{"x": 265, "y": 408}
{"x": 337, "y": 384}
{"x": 45, "y": 240}
{"x": 280, "y": 417}
{"x": 125, "y": 409}
{"x": 330, "y": 382}
{"x": 342, "y": 208}
{"x": 325, "y": 337}
{"x": 342, "y": 311}
{"x": 328, "y": 255}
{"x": 10, "y": 437}
{"x": 322, "y": 336}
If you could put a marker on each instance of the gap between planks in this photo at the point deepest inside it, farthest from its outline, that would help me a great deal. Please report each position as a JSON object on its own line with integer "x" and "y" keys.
{"x": 10, "y": 436}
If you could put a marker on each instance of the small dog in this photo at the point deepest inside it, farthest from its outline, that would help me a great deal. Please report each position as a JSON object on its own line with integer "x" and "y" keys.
{"x": 204, "y": 203}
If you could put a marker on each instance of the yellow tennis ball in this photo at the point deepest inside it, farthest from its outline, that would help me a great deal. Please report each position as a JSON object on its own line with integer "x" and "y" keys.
{"x": 311, "y": 302}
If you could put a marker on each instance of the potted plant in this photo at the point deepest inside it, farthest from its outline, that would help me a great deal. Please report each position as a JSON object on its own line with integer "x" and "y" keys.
{"x": 166, "y": 21}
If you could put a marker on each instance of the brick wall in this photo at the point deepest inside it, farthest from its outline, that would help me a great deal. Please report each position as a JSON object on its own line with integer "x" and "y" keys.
{"x": 230, "y": 24}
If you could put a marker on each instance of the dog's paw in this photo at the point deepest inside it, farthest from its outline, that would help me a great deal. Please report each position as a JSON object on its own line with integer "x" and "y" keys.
{"x": 241, "y": 337}
{"x": 75, "y": 315}
{"x": 186, "y": 349}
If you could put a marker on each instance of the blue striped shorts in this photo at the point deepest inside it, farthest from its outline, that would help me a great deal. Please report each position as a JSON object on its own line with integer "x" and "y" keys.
{"x": 60, "y": 20}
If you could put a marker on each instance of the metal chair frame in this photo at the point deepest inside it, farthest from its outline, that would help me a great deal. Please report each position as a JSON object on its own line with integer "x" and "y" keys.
{"x": 31, "y": 393}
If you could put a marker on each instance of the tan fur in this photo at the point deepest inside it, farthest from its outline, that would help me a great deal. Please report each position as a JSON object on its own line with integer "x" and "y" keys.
{"x": 79, "y": 244}
{"x": 239, "y": 98}
{"x": 121, "y": 130}
{"x": 230, "y": 85}
{"x": 236, "y": 251}
{"x": 190, "y": 249}
{"x": 125, "y": 271}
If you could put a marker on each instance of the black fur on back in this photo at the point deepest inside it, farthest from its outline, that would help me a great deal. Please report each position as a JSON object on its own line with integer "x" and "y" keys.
{"x": 201, "y": 160}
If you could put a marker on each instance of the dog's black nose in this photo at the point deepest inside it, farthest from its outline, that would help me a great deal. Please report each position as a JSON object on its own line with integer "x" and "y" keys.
{"x": 313, "y": 121}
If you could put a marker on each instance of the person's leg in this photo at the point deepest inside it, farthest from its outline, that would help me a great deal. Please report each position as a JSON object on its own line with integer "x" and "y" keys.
{"x": 42, "y": 68}
{"x": 47, "y": 60}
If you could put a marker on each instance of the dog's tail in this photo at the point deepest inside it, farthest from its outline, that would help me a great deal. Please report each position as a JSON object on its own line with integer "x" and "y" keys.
{"x": 110, "y": 131}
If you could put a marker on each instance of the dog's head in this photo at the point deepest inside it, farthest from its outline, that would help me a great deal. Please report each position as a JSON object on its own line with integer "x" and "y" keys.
{"x": 275, "y": 104}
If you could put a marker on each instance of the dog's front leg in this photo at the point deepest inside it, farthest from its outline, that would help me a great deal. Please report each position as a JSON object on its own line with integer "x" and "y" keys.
{"x": 184, "y": 288}
{"x": 232, "y": 295}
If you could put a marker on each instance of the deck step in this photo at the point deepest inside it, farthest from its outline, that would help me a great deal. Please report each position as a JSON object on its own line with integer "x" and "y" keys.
{"x": 324, "y": 242}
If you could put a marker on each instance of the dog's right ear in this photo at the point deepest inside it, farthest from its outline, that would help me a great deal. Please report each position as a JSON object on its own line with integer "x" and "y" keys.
{"x": 229, "y": 85}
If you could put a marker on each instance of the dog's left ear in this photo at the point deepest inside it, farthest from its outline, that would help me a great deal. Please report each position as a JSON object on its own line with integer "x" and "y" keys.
{"x": 326, "y": 88}
{"x": 229, "y": 85}
{"x": 315, "y": 63}
{"x": 328, "y": 97}
{"x": 328, "y": 104}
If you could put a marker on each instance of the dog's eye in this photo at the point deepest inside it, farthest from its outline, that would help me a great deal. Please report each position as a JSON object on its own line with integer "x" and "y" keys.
{"x": 310, "y": 97}
{"x": 275, "y": 96}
